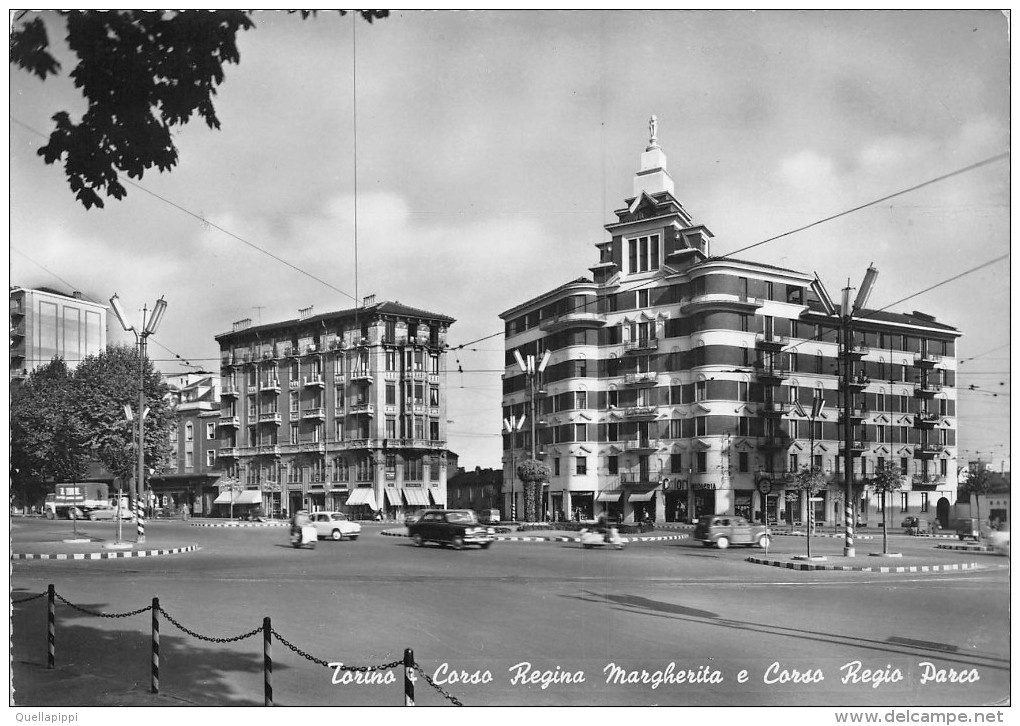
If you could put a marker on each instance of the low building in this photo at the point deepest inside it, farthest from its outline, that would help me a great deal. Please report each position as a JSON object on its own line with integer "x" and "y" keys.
{"x": 479, "y": 490}
{"x": 48, "y": 324}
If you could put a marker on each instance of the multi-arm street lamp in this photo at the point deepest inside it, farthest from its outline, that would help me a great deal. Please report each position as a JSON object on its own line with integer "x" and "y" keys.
{"x": 845, "y": 315}
{"x": 511, "y": 426}
{"x": 149, "y": 325}
{"x": 533, "y": 369}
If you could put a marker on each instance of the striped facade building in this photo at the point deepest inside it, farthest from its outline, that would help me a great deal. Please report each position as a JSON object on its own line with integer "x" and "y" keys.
{"x": 679, "y": 384}
{"x": 341, "y": 411}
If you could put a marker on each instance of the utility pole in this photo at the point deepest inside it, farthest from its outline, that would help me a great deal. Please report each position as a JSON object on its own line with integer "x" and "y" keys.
{"x": 533, "y": 370}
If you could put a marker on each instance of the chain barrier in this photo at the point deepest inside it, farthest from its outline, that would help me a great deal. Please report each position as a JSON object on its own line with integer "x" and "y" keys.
{"x": 193, "y": 634}
{"x": 432, "y": 683}
{"x": 319, "y": 661}
{"x": 28, "y": 599}
{"x": 102, "y": 615}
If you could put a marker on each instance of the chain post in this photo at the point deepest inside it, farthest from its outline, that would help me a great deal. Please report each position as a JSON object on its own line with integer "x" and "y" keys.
{"x": 51, "y": 627}
{"x": 408, "y": 677}
{"x": 155, "y": 645}
{"x": 267, "y": 659}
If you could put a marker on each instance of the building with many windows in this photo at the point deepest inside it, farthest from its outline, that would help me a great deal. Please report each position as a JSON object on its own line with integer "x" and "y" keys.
{"x": 339, "y": 411}
{"x": 191, "y": 479}
{"x": 47, "y": 324}
{"x": 680, "y": 384}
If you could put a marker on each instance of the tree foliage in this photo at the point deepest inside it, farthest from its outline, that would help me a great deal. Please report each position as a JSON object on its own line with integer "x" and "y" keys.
{"x": 809, "y": 481}
{"x": 888, "y": 478}
{"x": 532, "y": 472}
{"x": 141, "y": 73}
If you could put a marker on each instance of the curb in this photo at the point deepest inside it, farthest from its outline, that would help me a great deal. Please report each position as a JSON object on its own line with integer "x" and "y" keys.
{"x": 846, "y": 568}
{"x": 512, "y": 538}
{"x": 820, "y": 534}
{"x": 105, "y": 555}
{"x": 238, "y": 524}
{"x": 966, "y": 548}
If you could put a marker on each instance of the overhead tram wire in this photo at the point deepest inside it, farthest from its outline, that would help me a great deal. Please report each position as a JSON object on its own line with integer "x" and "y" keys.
{"x": 943, "y": 177}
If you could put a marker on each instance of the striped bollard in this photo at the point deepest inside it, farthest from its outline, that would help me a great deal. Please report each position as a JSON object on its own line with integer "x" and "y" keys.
{"x": 848, "y": 518}
{"x": 408, "y": 677}
{"x": 140, "y": 519}
{"x": 267, "y": 659}
{"x": 51, "y": 628}
{"x": 155, "y": 645}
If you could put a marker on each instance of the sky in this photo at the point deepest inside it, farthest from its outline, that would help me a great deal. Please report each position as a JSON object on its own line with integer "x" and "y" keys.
{"x": 464, "y": 162}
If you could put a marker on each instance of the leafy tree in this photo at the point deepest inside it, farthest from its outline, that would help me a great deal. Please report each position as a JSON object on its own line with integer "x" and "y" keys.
{"x": 141, "y": 72}
{"x": 887, "y": 479}
{"x": 49, "y": 442}
{"x": 979, "y": 481}
{"x": 105, "y": 383}
{"x": 532, "y": 472}
{"x": 809, "y": 480}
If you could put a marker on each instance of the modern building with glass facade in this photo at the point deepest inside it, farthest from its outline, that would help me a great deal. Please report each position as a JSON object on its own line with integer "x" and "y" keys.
{"x": 46, "y": 324}
{"x": 680, "y": 384}
{"x": 339, "y": 411}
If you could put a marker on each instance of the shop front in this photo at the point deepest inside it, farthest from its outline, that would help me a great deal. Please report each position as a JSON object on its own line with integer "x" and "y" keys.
{"x": 238, "y": 504}
{"x": 676, "y": 505}
{"x": 361, "y": 503}
{"x": 171, "y": 493}
{"x": 583, "y": 505}
{"x": 704, "y": 500}
{"x": 609, "y": 504}
{"x": 642, "y": 506}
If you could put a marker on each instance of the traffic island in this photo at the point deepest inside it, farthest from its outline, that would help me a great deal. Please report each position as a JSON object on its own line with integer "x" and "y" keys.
{"x": 838, "y": 566}
{"x": 238, "y": 523}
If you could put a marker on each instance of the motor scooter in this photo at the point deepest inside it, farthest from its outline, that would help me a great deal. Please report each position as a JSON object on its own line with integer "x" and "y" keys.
{"x": 610, "y": 538}
{"x": 303, "y": 533}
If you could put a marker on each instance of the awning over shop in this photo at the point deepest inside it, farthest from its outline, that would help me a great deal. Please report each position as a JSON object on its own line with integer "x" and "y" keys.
{"x": 416, "y": 497}
{"x": 248, "y": 496}
{"x": 364, "y": 495}
{"x": 393, "y": 496}
{"x": 609, "y": 496}
{"x": 641, "y": 496}
{"x": 435, "y": 498}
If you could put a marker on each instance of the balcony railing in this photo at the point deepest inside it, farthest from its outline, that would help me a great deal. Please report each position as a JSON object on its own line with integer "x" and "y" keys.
{"x": 857, "y": 383}
{"x": 640, "y": 411}
{"x": 769, "y": 373}
{"x": 632, "y": 346}
{"x": 319, "y": 413}
{"x": 579, "y": 318}
{"x": 766, "y": 341}
{"x": 229, "y": 389}
{"x": 270, "y": 417}
{"x": 631, "y": 478}
{"x": 856, "y": 415}
{"x": 928, "y": 451}
{"x": 269, "y": 449}
{"x": 361, "y": 375}
{"x": 631, "y": 379}
{"x": 775, "y": 408}
{"x": 270, "y": 385}
{"x": 932, "y": 480}
{"x": 314, "y": 447}
{"x": 925, "y": 420}
{"x": 927, "y": 360}
{"x": 293, "y": 383}
{"x": 637, "y": 444}
{"x": 362, "y": 408}
{"x": 315, "y": 381}
{"x": 927, "y": 389}
{"x": 230, "y": 421}
{"x": 774, "y": 442}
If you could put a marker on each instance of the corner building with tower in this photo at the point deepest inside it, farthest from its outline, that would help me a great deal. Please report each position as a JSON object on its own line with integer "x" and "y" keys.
{"x": 340, "y": 411}
{"x": 678, "y": 385}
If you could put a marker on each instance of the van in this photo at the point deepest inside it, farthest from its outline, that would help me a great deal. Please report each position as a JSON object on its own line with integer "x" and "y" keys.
{"x": 968, "y": 528}
{"x": 488, "y": 516}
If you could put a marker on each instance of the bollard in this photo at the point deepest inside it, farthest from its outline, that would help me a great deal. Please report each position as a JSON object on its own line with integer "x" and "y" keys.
{"x": 155, "y": 645}
{"x": 408, "y": 677}
{"x": 140, "y": 521}
{"x": 267, "y": 658}
{"x": 51, "y": 628}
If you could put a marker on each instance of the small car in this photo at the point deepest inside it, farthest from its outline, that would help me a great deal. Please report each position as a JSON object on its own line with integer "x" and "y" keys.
{"x": 109, "y": 513}
{"x": 334, "y": 525}
{"x": 454, "y": 527}
{"x": 722, "y": 530}
{"x": 412, "y": 518}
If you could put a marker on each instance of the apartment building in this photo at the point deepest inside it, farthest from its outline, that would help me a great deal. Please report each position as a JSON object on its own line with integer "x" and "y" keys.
{"x": 679, "y": 384}
{"x": 192, "y": 477}
{"x": 338, "y": 411}
{"x": 46, "y": 324}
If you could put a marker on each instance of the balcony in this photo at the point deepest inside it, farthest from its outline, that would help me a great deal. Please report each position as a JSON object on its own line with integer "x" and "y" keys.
{"x": 269, "y": 450}
{"x": 857, "y": 447}
{"x": 857, "y": 383}
{"x": 361, "y": 375}
{"x": 714, "y": 301}
{"x": 639, "y": 412}
{"x": 651, "y": 477}
{"x": 930, "y": 481}
{"x": 857, "y": 350}
{"x": 769, "y": 375}
{"x": 18, "y": 330}
{"x": 774, "y": 442}
{"x": 576, "y": 319}
{"x": 252, "y": 389}
{"x": 927, "y": 360}
{"x": 314, "y": 382}
{"x": 774, "y": 409}
{"x": 770, "y": 343}
{"x": 647, "y": 378}
{"x": 638, "y": 446}
{"x": 231, "y": 451}
{"x": 856, "y": 416}
{"x": 230, "y": 421}
{"x": 927, "y": 390}
{"x": 272, "y": 386}
{"x": 357, "y": 409}
{"x": 925, "y": 420}
{"x": 17, "y": 308}
{"x": 312, "y": 447}
{"x": 634, "y": 346}
{"x": 928, "y": 451}
{"x": 270, "y": 417}
{"x": 229, "y": 389}
{"x": 317, "y": 413}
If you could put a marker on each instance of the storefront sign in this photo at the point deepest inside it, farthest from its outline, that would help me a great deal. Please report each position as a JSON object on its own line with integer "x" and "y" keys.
{"x": 708, "y": 486}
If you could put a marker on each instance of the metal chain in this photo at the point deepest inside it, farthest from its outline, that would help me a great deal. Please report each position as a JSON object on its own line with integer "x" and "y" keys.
{"x": 319, "y": 661}
{"x": 101, "y": 615}
{"x": 192, "y": 633}
{"x": 433, "y": 684}
{"x": 29, "y": 599}
{"x": 313, "y": 659}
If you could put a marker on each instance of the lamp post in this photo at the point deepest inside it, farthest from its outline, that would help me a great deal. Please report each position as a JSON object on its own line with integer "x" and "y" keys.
{"x": 149, "y": 326}
{"x": 816, "y": 408}
{"x": 845, "y": 315}
{"x": 511, "y": 426}
{"x": 533, "y": 370}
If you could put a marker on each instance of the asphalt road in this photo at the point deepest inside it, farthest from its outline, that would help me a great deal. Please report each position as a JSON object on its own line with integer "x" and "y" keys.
{"x": 523, "y": 623}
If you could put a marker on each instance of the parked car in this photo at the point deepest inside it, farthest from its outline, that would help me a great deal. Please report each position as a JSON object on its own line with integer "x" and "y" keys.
{"x": 412, "y": 518}
{"x": 968, "y": 528}
{"x": 488, "y": 516}
{"x": 455, "y": 527}
{"x": 334, "y": 525}
{"x": 920, "y": 525}
{"x": 109, "y": 513}
{"x": 722, "y": 530}
{"x": 998, "y": 539}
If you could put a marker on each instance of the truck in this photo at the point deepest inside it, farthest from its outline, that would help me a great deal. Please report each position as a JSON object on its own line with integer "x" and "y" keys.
{"x": 76, "y": 499}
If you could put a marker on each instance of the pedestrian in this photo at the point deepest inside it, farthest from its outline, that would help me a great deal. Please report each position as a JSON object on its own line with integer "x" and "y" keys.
{"x": 548, "y": 516}
{"x": 185, "y": 512}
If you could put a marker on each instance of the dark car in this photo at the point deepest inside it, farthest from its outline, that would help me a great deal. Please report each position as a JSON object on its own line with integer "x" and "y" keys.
{"x": 455, "y": 527}
{"x": 722, "y": 530}
{"x": 968, "y": 528}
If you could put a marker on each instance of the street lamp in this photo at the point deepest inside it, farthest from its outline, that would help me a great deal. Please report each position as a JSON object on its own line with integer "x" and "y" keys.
{"x": 845, "y": 314}
{"x": 534, "y": 371}
{"x": 511, "y": 426}
{"x": 149, "y": 326}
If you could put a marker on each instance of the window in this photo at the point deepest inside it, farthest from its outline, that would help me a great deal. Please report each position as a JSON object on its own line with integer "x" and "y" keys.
{"x": 743, "y": 390}
{"x": 642, "y": 298}
{"x": 643, "y": 253}
{"x": 700, "y": 425}
{"x": 391, "y": 466}
{"x": 173, "y": 435}
{"x": 391, "y": 360}
{"x": 794, "y": 463}
{"x": 742, "y": 460}
{"x": 903, "y": 501}
{"x": 924, "y": 501}
{"x": 676, "y": 463}
{"x": 701, "y": 459}
{"x": 391, "y": 428}
{"x": 580, "y": 432}
{"x": 580, "y": 399}
{"x": 581, "y": 465}
{"x": 433, "y": 396}
{"x": 613, "y": 432}
{"x": 794, "y": 394}
{"x": 293, "y": 433}
{"x": 434, "y": 432}
{"x": 339, "y": 431}
{"x": 903, "y": 465}
{"x": 210, "y": 458}
{"x": 700, "y": 390}
{"x": 189, "y": 459}
{"x": 189, "y": 432}
{"x": 556, "y": 466}
{"x": 819, "y": 363}
{"x": 744, "y": 426}
{"x": 434, "y": 469}
{"x": 613, "y": 399}
{"x": 613, "y": 464}
{"x": 391, "y": 394}
{"x": 210, "y": 431}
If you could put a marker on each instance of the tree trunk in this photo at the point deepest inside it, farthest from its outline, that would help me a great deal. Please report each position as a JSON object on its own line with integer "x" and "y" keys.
{"x": 885, "y": 527}
{"x": 529, "y": 501}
